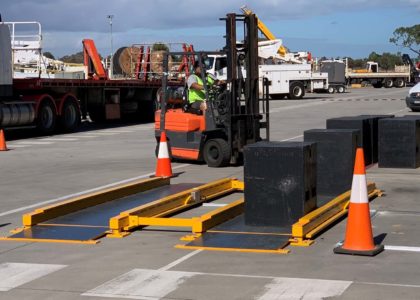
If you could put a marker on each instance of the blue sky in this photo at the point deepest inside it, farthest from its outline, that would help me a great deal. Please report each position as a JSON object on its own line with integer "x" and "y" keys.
{"x": 324, "y": 27}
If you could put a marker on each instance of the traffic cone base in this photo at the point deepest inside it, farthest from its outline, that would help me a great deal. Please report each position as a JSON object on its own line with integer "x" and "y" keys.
{"x": 372, "y": 252}
{"x": 3, "y": 146}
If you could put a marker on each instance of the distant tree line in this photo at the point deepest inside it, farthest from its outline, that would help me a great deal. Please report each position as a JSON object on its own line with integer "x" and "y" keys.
{"x": 386, "y": 60}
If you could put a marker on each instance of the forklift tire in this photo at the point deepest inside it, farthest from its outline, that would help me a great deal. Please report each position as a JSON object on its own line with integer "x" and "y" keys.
{"x": 216, "y": 153}
{"x": 296, "y": 90}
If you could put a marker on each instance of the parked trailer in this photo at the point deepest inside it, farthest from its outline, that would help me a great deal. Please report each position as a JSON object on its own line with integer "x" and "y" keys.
{"x": 64, "y": 101}
{"x": 377, "y": 78}
{"x": 47, "y": 103}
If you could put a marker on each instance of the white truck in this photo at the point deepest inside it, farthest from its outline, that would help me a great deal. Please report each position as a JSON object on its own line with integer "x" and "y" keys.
{"x": 377, "y": 78}
{"x": 286, "y": 80}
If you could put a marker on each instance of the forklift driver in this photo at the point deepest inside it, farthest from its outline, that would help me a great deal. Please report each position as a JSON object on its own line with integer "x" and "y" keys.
{"x": 196, "y": 93}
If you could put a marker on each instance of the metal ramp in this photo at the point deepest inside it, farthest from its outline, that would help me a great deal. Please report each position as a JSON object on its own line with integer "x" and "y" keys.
{"x": 119, "y": 210}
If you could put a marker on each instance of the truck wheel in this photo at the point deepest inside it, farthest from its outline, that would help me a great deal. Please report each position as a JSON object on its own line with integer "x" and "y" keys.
{"x": 331, "y": 90}
{"x": 70, "y": 117}
{"x": 296, "y": 90}
{"x": 341, "y": 89}
{"x": 388, "y": 83}
{"x": 46, "y": 118}
{"x": 399, "y": 83}
{"x": 216, "y": 153}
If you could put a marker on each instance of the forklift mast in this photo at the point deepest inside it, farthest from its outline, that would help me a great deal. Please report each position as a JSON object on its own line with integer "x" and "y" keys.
{"x": 244, "y": 113}
{"x": 235, "y": 114}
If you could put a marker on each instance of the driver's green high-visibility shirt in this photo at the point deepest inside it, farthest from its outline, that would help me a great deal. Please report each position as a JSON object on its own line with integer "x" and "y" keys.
{"x": 198, "y": 95}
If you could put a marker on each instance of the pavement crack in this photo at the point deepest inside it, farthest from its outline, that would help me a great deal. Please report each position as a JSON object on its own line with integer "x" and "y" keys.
{"x": 18, "y": 247}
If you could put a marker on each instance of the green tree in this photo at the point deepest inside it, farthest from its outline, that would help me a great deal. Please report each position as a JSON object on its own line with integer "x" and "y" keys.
{"x": 160, "y": 47}
{"x": 408, "y": 37}
{"x": 76, "y": 58}
{"x": 48, "y": 55}
{"x": 357, "y": 63}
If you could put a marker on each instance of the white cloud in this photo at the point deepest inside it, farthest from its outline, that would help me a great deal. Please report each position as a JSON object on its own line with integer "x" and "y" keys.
{"x": 90, "y": 15}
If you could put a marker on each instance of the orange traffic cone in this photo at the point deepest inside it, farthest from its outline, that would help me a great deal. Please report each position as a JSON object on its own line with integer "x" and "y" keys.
{"x": 3, "y": 146}
{"x": 359, "y": 237}
{"x": 163, "y": 167}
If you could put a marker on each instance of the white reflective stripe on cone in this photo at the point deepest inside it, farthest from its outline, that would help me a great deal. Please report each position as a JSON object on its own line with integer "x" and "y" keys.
{"x": 163, "y": 150}
{"x": 359, "y": 189}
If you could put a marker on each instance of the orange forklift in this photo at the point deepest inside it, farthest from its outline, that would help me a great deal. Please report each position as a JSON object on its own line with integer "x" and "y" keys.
{"x": 235, "y": 115}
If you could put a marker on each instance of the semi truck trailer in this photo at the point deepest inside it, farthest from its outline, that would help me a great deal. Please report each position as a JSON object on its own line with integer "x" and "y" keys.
{"x": 49, "y": 103}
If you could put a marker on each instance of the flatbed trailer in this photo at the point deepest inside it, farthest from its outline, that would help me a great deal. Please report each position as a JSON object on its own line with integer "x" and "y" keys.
{"x": 39, "y": 102}
{"x": 50, "y": 103}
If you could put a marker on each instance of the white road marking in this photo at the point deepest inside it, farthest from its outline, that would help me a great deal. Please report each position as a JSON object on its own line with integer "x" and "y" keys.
{"x": 83, "y": 136}
{"x": 141, "y": 284}
{"x": 389, "y": 284}
{"x": 58, "y": 139}
{"x": 402, "y": 248}
{"x": 83, "y": 192}
{"x": 300, "y": 288}
{"x": 314, "y": 103}
{"x": 106, "y": 133}
{"x": 13, "y": 275}
{"x": 16, "y": 146}
{"x": 118, "y": 131}
{"x": 397, "y": 111}
{"x": 157, "y": 284}
{"x": 35, "y": 143}
{"x": 292, "y": 138}
{"x": 180, "y": 260}
{"x": 214, "y": 204}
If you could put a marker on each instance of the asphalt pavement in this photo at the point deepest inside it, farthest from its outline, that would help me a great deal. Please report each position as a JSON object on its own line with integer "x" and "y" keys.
{"x": 38, "y": 171}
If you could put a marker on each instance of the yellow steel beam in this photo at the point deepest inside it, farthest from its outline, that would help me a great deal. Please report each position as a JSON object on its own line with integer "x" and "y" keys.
{"x": 314, "y": 222}
{"x": 264, "y": 30}
{"x": 218, "y": 216}
{"x": 170, "y": 222}
{"x": 81, "y": 202}
{"x": 31, "y": 240}
{"x": 169, "y": 205}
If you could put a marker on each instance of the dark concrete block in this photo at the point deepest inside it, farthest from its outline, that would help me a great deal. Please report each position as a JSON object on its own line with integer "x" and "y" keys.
{"x": 364, "y": 124}
{"x": 374, "y": 133}
{"x": 399, "y": 142}
{"x": 280, "y": 182}
{"x": 336, "y": 151}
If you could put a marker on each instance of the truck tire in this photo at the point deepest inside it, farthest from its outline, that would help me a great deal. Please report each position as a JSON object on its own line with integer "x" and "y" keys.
{"x": 388, "y": 83}
{"x": 70, "y": 117}
{"x": 296, "y": 90}
{"x": 377, "y": 85}
{"x": 46, "y": 118}
{"x": 331, "y": 90}
{"x": 216, "y": 153}
{"x": 341, "y": 89}
{"x": 399, "y": 83}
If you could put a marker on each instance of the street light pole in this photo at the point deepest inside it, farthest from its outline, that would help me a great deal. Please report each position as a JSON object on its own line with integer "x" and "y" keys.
{"x": 111, "y": 64}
